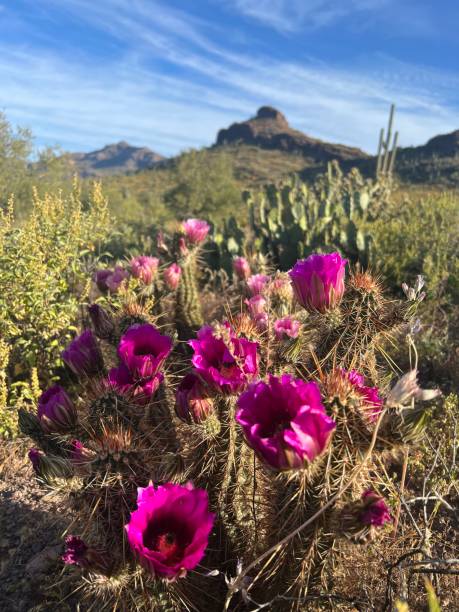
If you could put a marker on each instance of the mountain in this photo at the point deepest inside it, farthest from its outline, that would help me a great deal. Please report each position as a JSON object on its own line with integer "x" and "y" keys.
{"x": 265, "y": 148}
{"x": 269, "y": 129}
{"x": 119, "y": 158}
{"x": 436, "y": 162}
{"x": 267, "y": 140}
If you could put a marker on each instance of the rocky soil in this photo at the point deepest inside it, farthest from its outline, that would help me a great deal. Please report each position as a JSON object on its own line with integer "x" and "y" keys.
{"x": 31, "y": 527}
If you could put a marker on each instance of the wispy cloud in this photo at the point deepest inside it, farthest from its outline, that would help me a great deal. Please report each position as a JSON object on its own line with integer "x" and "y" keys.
{"x": 170, "y": 82}
{"x": 292, "y": 15}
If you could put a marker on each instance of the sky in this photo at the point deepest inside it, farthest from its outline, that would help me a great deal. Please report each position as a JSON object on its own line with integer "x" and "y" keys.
{"x": 168, "y": 74}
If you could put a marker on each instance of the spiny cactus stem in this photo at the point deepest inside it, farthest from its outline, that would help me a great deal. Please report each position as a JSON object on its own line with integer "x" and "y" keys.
{"x": 231, "y": 455}
{"x": 235, "y": 586}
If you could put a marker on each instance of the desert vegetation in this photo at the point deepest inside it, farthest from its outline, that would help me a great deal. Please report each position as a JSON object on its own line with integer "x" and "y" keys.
{"x": 226, "y": 411}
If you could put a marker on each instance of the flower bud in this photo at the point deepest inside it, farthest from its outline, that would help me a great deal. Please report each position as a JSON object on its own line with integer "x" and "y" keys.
{"x": 83, "y": 355}
{"x": 77, "y": 552}
{"x": 256, "y": 283}
{"x": 102, "y": 321}
{"x": 49, "y": 468}
{"x": 241, "y": 268}
{"x": 56, "y": 411}
{"x": 192, "y": 403}
{"x": 144, "y": 268}
{"x": 172, "y": 276}
{"x": 318, "y": 281}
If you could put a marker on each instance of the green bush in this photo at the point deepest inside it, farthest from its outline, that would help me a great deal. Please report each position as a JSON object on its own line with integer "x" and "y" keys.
{"x": 420, "y": 235}
{"x": 44, "y": 275}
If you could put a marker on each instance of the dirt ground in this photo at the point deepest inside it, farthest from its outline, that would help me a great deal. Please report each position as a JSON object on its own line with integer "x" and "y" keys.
{"x": 31, "y": 527}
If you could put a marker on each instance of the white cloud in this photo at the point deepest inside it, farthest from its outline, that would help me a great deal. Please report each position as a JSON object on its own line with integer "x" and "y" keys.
{"x": 292, "y": 15}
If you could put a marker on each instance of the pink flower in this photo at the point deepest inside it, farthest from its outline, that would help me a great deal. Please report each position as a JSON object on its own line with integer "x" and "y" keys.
{"x": 370, "y": 395}
{"x": 241, "y": 268}
{"x": 172, "y": 276}
{"x": 140, "y": 391}
{"x": 284, "y": 421}
{"x": 376, "y": 511}
{"x": 318, "y": 281}
{"x": 56, "y": 411}
{"x": 83, "y": 355}
{"x": 195, "y": 230}
{"x": 169, "y": 531}
{"x": 143, "y": 349}
{"x": 256, "y": 305}
{"x": 225, "y": 365}
{"x": 256, "y": 283}
{"x": 192, "y": 402}
{"x": 144, "y": 268}
{"x": 286, "y": 327}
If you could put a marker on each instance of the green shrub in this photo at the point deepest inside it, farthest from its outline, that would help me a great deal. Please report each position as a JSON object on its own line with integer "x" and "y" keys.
{"x": 44, "y": 265}
{"x": 420, "y": 235}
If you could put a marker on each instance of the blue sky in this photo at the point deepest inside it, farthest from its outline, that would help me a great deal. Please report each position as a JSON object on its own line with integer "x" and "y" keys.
{"x": 169, "y": 73}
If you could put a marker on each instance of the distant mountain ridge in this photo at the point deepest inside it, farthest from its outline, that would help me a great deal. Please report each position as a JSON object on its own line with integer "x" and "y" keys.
{"x": 266, "y": 148}
{"x": 119, "y": 158}
{"x": 269, "y": 129}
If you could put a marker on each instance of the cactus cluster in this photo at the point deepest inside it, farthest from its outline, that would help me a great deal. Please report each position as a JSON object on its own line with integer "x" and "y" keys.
{"x": 291, "y": 221}
{"x": 224, "y": 476}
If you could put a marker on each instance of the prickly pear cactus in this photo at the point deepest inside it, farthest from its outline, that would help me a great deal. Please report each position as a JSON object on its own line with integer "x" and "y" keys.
{"x": 295, "y": 219}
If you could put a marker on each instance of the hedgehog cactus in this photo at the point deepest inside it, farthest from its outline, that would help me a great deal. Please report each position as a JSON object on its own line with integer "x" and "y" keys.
{"x": 229, "y": 475}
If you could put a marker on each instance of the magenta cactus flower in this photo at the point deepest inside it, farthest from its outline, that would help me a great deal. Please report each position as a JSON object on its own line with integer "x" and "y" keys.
{"x": 116, "y": 279}
{"x": 144, "y": 268}
{"x": 241, "y": 268}
{"x": 77, "y": 552}
{"x": 172, "y": 276}
{"x": 192, "y": 403}
{"x": 284, "y": 421}
{"x": 110, "y": 280}
{"x": 376, "y": 512}
{"x": 256, "y": 283}
{"x": 143, "y": 349}
{"x": 169, "y": 531}
{"x": 140, "y": 391}
{"x": 100, "y": 278}
{"x": 256, "y": 305}
{"x": 83, "y": 355}
{"x": 373, "y": 401}
{"x": 226, "y": 366}
{"x": 195, "y": 230}
{"x": 286, "y": 327}
{"x": 318, "y": 281}
{"x": 56, "y": 411}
